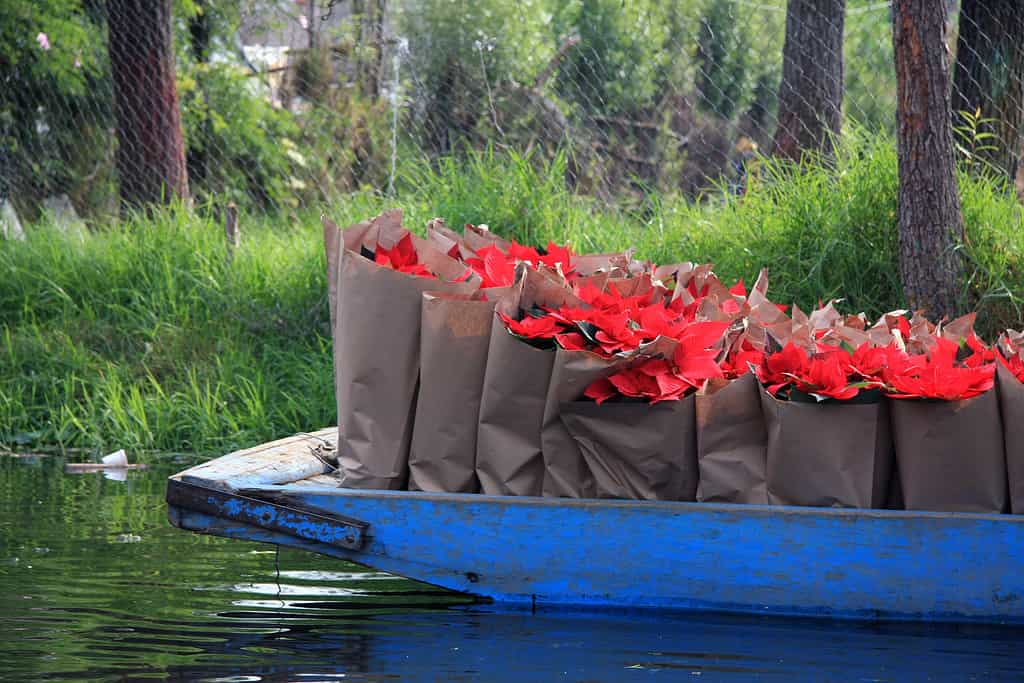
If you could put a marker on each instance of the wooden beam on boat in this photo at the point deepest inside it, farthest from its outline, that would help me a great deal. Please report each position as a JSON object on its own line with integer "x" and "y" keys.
{"x": 329, "y": 529}
{"x": 278, "y": 462}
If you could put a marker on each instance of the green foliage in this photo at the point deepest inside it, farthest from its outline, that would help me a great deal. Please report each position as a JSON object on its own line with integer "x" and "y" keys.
{"x": 723, "y": 58}
{"x": 973, "y": 138}
{"x": 52, "y": 69}
{"x": 346, "y": 145}
{"x": 618, "y": 63}
{"x": 870, "y": 79}
{"x": 461, "y": 53}
{"x": 240, "y": 147}
{"x": 144, "y": 335}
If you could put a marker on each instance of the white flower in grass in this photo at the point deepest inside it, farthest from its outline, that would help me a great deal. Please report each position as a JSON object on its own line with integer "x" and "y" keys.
{"x": 43, "y": 40}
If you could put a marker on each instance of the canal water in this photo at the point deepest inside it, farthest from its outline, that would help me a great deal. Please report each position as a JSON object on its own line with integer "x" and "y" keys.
{"x": 95, "y": 585}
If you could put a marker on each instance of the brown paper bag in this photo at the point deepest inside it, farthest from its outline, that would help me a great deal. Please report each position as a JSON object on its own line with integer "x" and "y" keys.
{"x": 1011, "y": 404}
{"x": 635, "y": 450}
{"x": 950, "y": 454}
{"x": 353, "y": 237}
{"x": 477, "y": 237}
{"x": 376, "y": 356}
{"x": 566, "y": 473}
{"x": 455, "y": 332}
{"x": 508, "y": 455}
{"x": 830, "y": 454}
{"x": 508, "y": 451}
{"x": 732, "y": 444}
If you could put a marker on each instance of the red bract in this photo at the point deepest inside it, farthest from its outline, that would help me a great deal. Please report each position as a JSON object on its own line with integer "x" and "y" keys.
{"x": 827, "y": 373}
{"x": 402, "y": 257}
{"x": 981, "y": 354}
{"x": 533, "y": 328}
{"x": 523, "y": 253}
{"x": 739, "y": 363}
{"x": 601, "y": 390}
{"x": 1014, "y": 364}
{"x": 654, "y": 380}
{"x": 571, "y": 341}
{"x": 694, "y": 356}
{"x": 612, "y": 301}
{"x": 939, "y": 375}
{"x": 615, "y": 332}
{"x": 663, "y": 379}
{"x": 870, "y": 362}
{"x": 497, "y": 269}
{"x": 658, "y": 321}
{"x": 558, "y": 258}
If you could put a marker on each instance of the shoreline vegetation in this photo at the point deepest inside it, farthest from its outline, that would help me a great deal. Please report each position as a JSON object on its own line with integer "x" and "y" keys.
{"x": 146, "y": 336}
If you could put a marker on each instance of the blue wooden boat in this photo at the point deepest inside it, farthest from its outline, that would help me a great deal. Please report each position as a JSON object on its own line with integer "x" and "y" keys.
{"x": 540, "y": 552}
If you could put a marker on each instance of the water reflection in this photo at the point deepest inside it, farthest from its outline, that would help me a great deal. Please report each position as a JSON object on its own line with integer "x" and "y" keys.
{"x": 95, "y": 585}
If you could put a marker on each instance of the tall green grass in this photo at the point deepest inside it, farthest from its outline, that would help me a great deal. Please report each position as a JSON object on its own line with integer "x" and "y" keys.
{"x": 144, "y": 335}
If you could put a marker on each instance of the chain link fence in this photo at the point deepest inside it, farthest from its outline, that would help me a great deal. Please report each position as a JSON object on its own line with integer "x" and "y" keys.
{"x": 286, "y": 104}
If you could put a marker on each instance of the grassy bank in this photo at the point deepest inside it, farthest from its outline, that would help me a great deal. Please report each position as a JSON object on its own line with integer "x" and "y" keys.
{"x": 144, "y": 336}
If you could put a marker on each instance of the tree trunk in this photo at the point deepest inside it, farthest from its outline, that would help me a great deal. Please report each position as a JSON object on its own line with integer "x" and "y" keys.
{"x": 200, "y": 32}
{"x": 930, "y": 222}
{"x": 312, "y": 30}
{"x": 150, "y": 151}
{"x": 989, "y": 75}
{"x": 371, "y": 62}
{"x": 811, "y": 91}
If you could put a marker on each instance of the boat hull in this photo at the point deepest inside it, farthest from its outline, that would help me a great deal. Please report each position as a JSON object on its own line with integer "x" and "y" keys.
{"x": 855, "y": 564}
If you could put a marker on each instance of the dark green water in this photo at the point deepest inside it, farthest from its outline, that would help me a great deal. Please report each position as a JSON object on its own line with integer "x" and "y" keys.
{"x": 95, "y": 585}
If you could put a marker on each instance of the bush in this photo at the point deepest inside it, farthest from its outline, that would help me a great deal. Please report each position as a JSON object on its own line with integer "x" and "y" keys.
{"x": 240, "y": 147}
{"x": 461, "y": 53}
{"x": 52, "y": 71}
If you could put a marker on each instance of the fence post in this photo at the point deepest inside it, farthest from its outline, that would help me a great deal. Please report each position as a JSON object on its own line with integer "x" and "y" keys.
{"x": 232, "y": 230}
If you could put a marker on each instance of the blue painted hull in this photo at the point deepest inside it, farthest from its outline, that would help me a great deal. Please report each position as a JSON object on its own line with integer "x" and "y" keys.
{"x": 629, "y": 554}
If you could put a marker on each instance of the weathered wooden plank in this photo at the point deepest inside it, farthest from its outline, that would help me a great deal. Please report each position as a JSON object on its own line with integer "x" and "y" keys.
{"x": 278, "y": 462}
{"x": 320, "y": 480}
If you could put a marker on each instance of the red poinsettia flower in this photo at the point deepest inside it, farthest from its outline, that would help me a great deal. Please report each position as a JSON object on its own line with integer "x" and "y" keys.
{"x": 558, "y": 258}
{"x": 939, "y": 374}
{"x": 615, "y": 332}
{"x": 571, "y": 341}
{"x": 402, "y": 257}
{"x": 739, "y": 362}
{"x": 695, "y": 355}
{"x": 523, "y": 253}
{"x": 661, "y": 321}
{"x": 601, "y": 390}
{"x": 824, "y": 374}
{"x": 667, "y": 379}
{"x": 530, "y": 327}
{"x": 1015, "y": 364}
{"x": 495, "y": 268}
{"x": 980, "y": 354}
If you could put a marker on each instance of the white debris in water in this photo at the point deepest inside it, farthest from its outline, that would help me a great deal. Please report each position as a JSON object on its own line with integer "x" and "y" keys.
{"x": 116, "y": 459}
